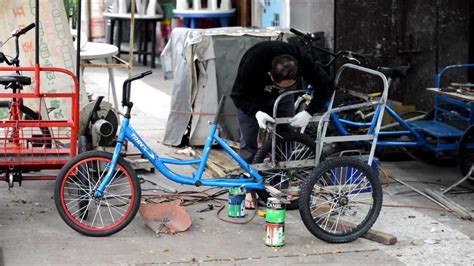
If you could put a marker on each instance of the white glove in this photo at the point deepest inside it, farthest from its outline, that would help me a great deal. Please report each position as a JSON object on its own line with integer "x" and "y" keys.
{"x": 301, "y": 119}
{"x": 263, "y": 119}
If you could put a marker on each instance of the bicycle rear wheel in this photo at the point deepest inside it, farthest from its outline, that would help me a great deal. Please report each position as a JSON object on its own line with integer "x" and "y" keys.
{"x": 90, "y": 215}
{"x": 341, "y": 200}
{"x": 291, "y": 147}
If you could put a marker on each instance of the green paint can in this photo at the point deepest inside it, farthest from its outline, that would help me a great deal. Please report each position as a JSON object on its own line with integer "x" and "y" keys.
{"x": 236, "y": 203}
{"x": 275, "y": 223}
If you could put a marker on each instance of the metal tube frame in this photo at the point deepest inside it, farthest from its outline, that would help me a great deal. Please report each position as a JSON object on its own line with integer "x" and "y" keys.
{"x": 253, "y": 181}
{"x": 324, "y": 120}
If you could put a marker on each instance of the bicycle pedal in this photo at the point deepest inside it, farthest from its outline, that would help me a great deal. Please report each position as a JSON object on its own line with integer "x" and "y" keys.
{"x": 277, "y": 194}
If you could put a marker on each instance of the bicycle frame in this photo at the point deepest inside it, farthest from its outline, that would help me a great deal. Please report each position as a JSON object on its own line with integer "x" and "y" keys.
{"x": 128, "y": 133}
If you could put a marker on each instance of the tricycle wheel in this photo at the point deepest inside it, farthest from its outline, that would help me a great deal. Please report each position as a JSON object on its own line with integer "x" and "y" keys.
{"x": 466, "y": 152}
{"x": 90, "y": 215}
{"x": 341, "y": 200}
{"x": 292, "y": 146}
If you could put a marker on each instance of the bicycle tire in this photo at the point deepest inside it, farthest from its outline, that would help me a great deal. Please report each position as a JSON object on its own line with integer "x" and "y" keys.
{"x": 465, "y": 156}
{"x": 265, "y": 151}
{"x": 325, "y": 185}
{"x": 29, "y": 114}
{"x": 67, "y": 183}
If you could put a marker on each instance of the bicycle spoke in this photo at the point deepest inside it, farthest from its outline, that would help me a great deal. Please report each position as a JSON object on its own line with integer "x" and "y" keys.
{"x": 110, "y": 211}
{"x": 341, "y": 194}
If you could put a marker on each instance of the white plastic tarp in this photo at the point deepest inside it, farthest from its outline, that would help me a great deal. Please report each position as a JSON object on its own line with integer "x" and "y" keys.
{"x": 204, "y": 64}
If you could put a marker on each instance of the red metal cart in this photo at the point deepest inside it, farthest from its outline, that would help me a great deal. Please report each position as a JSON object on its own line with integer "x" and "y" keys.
{"x": 28, "y": 145}
{"x": 29, "y": 140}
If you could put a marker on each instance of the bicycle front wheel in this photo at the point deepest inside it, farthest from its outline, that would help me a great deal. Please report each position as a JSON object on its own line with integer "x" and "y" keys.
{"x": 341, "y": 200}
{"x": 96, "y": 216}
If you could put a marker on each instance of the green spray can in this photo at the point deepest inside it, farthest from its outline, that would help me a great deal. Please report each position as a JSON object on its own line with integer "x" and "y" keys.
{"x": 236, "y": 206}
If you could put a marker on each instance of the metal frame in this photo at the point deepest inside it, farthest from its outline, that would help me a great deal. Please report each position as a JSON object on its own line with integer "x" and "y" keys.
{"x": 324, "y": 120}
{"x": 255, "y": 181}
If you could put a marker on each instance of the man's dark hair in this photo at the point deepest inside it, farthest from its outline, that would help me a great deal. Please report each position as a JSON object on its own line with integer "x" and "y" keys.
{"x": 284, "y": 67}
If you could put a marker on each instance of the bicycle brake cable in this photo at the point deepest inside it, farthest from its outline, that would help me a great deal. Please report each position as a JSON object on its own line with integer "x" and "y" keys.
{"x": 3, "y": 43}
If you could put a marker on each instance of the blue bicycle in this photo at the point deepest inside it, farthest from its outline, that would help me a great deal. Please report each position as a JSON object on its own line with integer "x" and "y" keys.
{"x": 98, "y": 193}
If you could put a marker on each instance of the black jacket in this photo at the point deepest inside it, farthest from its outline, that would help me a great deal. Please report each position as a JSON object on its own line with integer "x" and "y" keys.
{"x": 248, "y": 91}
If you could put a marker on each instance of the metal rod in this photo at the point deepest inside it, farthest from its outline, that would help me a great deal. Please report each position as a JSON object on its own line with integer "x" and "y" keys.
{"x": 275, "y": 110}
{"x": 421, "y": 193}
{"x": 132, "y": 38}
{"x": 78, "y": 41}
{"x": 468, "y": 176}
{"x": 37, "y": 32}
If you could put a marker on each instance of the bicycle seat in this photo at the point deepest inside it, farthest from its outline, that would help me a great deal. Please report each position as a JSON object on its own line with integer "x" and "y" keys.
{"x": 394, "y": 72}
{"x": 21, "y": 80}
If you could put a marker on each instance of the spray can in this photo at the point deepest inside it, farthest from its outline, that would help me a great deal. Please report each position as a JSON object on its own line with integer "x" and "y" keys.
{"x": 275, "y": 223}
{"x": 236, "y": 206}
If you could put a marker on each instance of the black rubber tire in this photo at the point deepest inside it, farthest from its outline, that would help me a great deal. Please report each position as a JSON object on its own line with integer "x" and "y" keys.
{"x": 465, "y": 156}
{"x": 135, "y": 204}
{"x": 306, "y": 197}
{"x": 265, "y": 150}
{"x": 31, "y": 115}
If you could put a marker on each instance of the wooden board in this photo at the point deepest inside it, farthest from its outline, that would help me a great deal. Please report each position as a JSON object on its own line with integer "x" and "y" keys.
{"x": 452, "y": 94}
{"x": 217, "y": 163}
{"x": 374, "y": 235}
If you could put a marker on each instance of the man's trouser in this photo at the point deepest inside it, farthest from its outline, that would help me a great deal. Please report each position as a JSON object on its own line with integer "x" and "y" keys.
{"x": 249, "y": 127}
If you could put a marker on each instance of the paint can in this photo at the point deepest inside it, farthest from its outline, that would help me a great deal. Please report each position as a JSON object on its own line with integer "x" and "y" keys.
{"x": 275, "y": 223}
{"x": 236, "y": 206}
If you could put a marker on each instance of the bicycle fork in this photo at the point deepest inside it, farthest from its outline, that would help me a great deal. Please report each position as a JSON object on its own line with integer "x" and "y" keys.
{"x": 104, "y": 182}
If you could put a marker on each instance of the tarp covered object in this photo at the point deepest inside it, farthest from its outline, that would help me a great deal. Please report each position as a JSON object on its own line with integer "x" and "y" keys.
{"x": 204, "y": 64}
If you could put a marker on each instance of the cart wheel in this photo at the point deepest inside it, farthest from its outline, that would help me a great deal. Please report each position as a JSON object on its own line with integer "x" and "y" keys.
{"x": 341, "y": 200}
{"x": 100, "y": 216}
{"x": 293, "y": 146}
{"x": 466, "y": 152}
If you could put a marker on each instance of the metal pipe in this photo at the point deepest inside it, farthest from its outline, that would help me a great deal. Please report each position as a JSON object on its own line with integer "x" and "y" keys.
{"x": 37, "y": 32}
{"x": 421, "y": 193}
{"x": 132, "y": 37}
{"x": 275, "y": 109}
{"x": 381, "y": 102}
{"x": 78, "y": 41}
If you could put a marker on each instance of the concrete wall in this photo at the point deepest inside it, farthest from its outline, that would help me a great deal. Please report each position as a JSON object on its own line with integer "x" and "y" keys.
{"x": 425, "y": 34}
{"x": 309, "y": 15}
